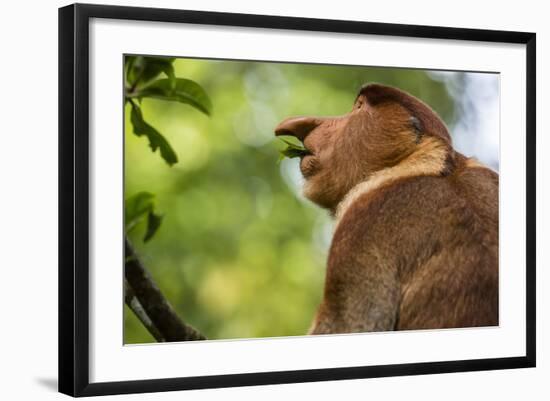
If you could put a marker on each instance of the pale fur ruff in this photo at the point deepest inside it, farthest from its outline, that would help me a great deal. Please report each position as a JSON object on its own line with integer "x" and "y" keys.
{"x": 428, "y": 160}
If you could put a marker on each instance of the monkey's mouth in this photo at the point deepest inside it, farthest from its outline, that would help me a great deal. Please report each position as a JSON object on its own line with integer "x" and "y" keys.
{"x": 293, "y": 152}
{"x": 309, "y": 165}
{"x": 303, "y": 153}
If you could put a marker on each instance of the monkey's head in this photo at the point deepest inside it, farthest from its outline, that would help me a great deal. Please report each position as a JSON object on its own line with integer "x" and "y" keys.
{"x": 386, "y": 127}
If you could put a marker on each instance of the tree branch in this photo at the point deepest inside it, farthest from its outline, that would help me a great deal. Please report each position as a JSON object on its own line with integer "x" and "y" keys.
{"x": 135, "y": 306}
{"x": 164, "y": 320}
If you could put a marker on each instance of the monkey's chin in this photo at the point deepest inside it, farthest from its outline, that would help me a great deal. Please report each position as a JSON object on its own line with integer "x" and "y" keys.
{"x": 307, "y": 191}
{"x": 316, "y": 194}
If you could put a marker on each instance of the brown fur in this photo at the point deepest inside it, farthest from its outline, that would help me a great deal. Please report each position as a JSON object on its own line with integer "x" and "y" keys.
{"x": 416, "y": 240}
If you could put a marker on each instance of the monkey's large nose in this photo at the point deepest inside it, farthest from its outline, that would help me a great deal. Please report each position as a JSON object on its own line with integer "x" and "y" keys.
{"x": 298, "y": 127}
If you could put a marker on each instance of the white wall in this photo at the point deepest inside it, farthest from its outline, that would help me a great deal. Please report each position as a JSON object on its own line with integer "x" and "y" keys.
{"x": 28, "y": 296}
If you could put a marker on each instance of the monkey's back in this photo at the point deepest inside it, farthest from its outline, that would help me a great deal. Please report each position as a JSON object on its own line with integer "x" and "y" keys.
{"x": 456, "y": 284}
{"x": 441, "y": 236}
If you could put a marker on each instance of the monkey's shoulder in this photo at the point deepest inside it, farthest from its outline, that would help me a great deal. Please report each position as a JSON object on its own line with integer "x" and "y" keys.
{"x": 410, "y": 208}
{"x": 398, "y": 198}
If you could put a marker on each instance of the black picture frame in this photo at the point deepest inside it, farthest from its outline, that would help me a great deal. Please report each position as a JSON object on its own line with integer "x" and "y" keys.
{"x": 74, "y": 198}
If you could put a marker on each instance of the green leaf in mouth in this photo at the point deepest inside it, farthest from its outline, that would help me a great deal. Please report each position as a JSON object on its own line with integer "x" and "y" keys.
{"x": 292, "y": 150}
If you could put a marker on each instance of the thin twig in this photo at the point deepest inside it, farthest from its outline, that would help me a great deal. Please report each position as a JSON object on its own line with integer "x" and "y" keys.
{"x": 133, "y": 303}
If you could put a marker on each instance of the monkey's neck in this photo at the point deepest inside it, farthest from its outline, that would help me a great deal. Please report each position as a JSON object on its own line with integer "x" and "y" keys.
{"x": 430, "y": 158}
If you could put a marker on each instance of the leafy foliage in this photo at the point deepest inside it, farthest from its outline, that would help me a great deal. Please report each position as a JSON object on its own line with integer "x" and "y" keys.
{"x": 140, "y": 72}
{"x": 140, "y": 83}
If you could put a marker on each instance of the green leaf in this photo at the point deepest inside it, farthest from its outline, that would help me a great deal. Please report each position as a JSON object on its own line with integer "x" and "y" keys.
{"x": 128, "y": 64}
{"x": 156, "y": 140}
{"x": 135, "y": 207}
{"x": 292, "y": 150}
{"x": 169, "y": 71}
{"x": 290, "y": 140}
{"x": 153, "y": 223}
{"x": 184, "y": 91}
{"x": 141, "y": 70}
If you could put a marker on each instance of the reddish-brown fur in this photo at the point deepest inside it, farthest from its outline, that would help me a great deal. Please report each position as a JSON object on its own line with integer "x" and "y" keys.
{"x": 416, "y": 242}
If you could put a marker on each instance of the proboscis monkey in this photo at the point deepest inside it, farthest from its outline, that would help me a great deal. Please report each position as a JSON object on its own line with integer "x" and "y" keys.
{"x": 416, "y": 238}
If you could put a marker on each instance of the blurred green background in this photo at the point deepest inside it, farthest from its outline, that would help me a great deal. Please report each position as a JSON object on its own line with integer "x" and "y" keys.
{"x": 240, "y": 253}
